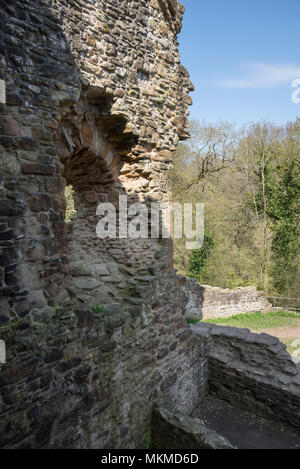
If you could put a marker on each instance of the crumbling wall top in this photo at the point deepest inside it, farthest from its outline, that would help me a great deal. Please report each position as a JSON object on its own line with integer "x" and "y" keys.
{"x": 173, "y": 11}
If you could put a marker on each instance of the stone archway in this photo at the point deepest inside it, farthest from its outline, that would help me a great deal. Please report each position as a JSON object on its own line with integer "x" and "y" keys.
{"x": 98, "y": 158}
{"x": 90, "y": 144}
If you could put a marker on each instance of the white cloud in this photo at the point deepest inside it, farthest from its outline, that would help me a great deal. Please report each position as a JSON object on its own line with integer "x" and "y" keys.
{"x": 262, "y": 75}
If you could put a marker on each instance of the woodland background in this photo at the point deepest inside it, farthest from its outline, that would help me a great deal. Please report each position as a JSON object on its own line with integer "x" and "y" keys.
{"x": 249, "y": 181}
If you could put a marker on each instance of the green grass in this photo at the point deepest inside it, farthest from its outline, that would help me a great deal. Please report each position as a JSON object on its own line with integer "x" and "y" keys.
{"x": 192, "y": 321}
{"x": 258, "y": 321}
{"x": 292, "y": 345}
{"x": 97, "y": 309}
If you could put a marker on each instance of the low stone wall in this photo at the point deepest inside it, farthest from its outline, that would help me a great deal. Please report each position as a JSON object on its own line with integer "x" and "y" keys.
{"x": 175, "y": 431}
{"x": 253, "y": 371}
{"x": 218, "y": 302}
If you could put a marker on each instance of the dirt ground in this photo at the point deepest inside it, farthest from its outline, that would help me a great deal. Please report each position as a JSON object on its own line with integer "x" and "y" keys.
{"x": 289, "y": 332}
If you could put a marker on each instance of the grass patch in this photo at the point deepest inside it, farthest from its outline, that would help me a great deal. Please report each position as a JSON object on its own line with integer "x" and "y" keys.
{"x": 291, "y": 345}
{"x": 258, "y": 321}
{"x": 192, "y": 321}
{"x": 98, "y": 309}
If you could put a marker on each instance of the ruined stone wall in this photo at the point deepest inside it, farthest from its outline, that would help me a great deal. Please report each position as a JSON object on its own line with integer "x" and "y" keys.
{"x": 92, "y": 94}
{"x": 253, "y": 371}
{"x": 194, "y": 293}
{"x": 175, "y": 431}
{"x": 218, "y": 302}
{"x": 80, "y": 379}
{"x": 95, "y": 97}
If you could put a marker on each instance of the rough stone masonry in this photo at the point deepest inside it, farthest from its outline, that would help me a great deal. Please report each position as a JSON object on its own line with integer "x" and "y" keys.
{"x": 95, "y": 97}
{"x": 219, "y": 302}
{"x": 92, "y": 94}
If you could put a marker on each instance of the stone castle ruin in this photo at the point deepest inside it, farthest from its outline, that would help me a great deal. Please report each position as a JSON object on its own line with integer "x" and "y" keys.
{"x": 93, "y": 95}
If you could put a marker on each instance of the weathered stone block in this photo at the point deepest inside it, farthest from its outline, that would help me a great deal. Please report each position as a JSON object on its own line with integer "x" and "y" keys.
{"x": 39, "y": 202}
{"x": 38, "y": 168}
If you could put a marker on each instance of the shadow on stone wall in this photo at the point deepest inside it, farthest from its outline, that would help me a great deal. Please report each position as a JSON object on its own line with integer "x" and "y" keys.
{"x": 77, "y": 377}
{"x": 58, "y": 128}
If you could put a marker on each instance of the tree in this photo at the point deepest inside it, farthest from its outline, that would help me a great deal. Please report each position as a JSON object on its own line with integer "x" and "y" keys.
{"x": 198, "y": 260}
{"x": 210, "y": 149}
{"x": 251, "y": 196}
{"x": 260, "y": 148}
{"x": 283, "y": 192}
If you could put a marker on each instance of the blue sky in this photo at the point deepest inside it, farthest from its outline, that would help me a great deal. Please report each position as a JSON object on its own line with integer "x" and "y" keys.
{"x": 243, "y": 56}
